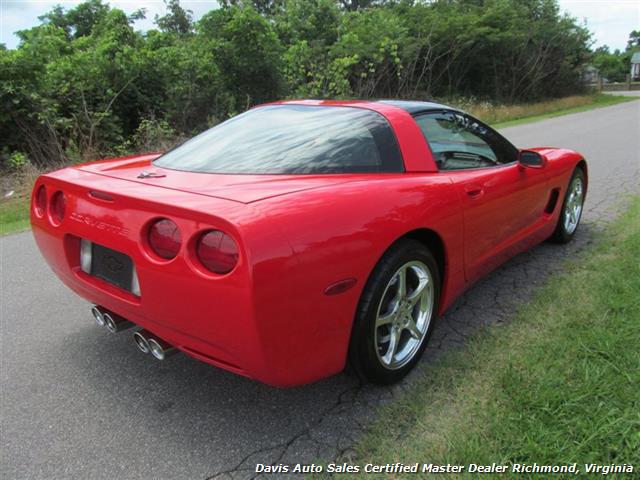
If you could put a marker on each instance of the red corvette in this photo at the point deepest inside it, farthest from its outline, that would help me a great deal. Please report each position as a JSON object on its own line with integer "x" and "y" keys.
{"x": 302, "y": 235}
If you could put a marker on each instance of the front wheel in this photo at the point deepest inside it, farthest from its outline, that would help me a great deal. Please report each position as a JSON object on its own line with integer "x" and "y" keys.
{"x": 571, "y": 208}
{"x": 396, "y": 313}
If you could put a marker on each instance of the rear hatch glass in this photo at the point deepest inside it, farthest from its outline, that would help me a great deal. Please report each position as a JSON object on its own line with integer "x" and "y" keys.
{"x": 292, "y": 139}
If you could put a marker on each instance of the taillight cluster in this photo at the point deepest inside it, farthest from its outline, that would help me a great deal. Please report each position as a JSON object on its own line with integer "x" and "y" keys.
{"x": 56, "y": 207}
{"x": 164, "y": 239}
{"x": 41, "y": 201}
{"x": 215, "y": 250}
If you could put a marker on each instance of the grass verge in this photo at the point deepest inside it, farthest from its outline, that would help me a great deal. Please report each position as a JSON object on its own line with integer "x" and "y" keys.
{"x": 14, "y": 215}
{"x": 14, "y": 210}
{"x": 503, "y": 116}
{"x": 561, "y": 384}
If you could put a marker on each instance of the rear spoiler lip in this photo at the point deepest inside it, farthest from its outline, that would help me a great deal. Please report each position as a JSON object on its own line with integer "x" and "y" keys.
{"x": 145, "y": 157}
{"x": 208, "y": 195}
{"x": 60, "y": 179}
{"x": 160, "y": 186}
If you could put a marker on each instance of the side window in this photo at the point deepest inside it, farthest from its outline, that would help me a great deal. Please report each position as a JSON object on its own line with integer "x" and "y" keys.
{"x": 461, "y": 142}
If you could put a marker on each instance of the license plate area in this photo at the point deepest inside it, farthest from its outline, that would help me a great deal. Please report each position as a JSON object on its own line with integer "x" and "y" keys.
{"x": 111, "y": 266}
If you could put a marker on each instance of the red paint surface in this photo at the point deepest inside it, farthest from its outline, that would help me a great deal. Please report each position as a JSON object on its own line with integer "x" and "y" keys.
{"x": 297, "y": 235}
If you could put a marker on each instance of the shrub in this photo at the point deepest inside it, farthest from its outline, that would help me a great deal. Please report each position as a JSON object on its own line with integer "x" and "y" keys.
{"x": 154, "y": 135}
{"x": 17, "y": 161}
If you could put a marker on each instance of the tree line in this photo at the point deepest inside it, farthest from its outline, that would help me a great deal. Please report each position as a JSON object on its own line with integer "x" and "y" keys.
{"x": 85, "y": 84}
{"x": 616, "y": 66}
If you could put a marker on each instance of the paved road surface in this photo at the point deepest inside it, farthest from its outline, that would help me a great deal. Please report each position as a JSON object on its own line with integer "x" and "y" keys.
{"x": 625, "y": 93}
{"x": 80, "y": 403}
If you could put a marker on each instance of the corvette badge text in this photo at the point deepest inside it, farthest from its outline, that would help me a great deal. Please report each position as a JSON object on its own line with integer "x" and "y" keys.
{"x": 419, "y": 468}
{"x": 99, "y": 224}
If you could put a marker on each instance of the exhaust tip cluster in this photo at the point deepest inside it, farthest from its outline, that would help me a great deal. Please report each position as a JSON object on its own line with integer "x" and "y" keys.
{"x": 147, "y": 343}
{"x": 141, "y": 342}
{"x": 98, "y": 316}
{"x": 145, "y": 340}
{"x": 112, "y": 322}
{"x": 115, "y": 323}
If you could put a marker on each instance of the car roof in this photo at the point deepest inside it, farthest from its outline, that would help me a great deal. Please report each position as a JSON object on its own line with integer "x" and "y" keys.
{"x": 410, "y": 106}
{"x": 415, "y": 150}
{"x": 416, "y": 106}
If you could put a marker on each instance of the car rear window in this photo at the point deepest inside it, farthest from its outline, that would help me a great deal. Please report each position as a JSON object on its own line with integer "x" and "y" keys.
{"x": 292, "y": 139}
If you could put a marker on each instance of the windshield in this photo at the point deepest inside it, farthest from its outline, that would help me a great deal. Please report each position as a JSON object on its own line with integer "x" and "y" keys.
{"x": 292, "y": 139}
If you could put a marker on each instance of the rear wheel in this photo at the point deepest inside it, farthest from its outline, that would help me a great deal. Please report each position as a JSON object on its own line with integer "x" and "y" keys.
{"x": 572, "y": 206}
{"x": 396, "y": 313}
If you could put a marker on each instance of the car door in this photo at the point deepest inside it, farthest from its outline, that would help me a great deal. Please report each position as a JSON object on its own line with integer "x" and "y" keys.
{"x": 501, "y": 199}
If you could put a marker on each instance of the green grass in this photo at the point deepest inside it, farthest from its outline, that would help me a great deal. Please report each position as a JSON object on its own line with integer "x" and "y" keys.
{"x": 560, "y": 384}
{"x": 555, "y": 108}
{"x": 14, "y": 215}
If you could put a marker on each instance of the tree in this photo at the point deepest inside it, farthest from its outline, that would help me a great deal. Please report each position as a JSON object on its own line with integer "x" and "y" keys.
{"x": 371, "y": 45}
{"x": 634, "y": 40}
{"x": 264, "y": 7}
{"x": 248, "y": 51}
{"x": 355, "y": 5}
{"x": 85, "y": 84}
{"x": 611, "y": 65}
{"x": 177, "y": 20}
{"x": 79, "y": 21}
{"x": 614, "y": 66}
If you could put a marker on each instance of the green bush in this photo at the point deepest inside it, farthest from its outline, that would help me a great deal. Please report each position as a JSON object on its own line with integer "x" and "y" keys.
{"x": 85, "y": 83}
{"x": 154, "y": 135}
{"x": 17, "y": 161}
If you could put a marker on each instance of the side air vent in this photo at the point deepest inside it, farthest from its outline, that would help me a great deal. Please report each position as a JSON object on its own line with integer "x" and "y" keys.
{"x": 553, "y": 199}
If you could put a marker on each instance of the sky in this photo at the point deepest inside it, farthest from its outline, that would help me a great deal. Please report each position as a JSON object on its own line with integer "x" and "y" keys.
{"x": 609, "y": 20}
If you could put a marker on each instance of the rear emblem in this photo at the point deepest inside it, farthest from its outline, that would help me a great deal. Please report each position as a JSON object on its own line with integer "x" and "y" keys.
{"x": 146, "y": 174}
{"x": 99, "y": 224}
{"x": 113, "y": 264}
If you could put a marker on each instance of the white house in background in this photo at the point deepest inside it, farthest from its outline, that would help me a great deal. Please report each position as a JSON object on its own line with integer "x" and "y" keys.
{"x": 590, "y": 75}
{"x": 635, "y": 66}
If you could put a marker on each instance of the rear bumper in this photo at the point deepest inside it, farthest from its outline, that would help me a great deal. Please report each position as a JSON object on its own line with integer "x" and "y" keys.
{"x": 211, "y": 318}
{"x": 182, "y": 309}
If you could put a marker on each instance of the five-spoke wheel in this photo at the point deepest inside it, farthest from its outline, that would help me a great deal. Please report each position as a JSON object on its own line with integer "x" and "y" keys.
{"x": 395, "y": 313}
{"x": 573, "y": 206}
{"x": 404, "y": 314}
{"x": 571, "y": 212}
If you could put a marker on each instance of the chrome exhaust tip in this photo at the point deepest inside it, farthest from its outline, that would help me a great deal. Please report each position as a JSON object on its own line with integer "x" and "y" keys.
{"x": 115, "y": 323}
{"x": 98, "y": 316}
{"x": 142, "y": 340}
{"x": 156, "y": 346}
{"x": 161, "y": 349}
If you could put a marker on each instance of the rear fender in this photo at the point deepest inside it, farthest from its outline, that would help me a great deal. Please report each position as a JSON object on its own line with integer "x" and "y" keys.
{"x": 338, "y": 237}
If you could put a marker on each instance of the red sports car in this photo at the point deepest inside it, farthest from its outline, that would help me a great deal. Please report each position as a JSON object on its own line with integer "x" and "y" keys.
{"x": 302, "y": 235}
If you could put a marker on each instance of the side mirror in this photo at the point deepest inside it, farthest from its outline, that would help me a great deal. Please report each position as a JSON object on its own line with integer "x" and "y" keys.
{"x": 531, "y": 159}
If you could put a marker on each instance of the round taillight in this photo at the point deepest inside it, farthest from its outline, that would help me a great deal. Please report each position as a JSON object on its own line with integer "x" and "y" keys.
{"x": 217, "y": 252}
{"x": 164, "y": 239}
{"x": 58, "y": 206}
{"x": 41, "y": 201}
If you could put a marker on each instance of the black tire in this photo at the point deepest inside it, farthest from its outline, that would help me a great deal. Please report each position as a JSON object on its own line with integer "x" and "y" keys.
{"x": 364, "y": 351}
{"x": 563, "y": 234}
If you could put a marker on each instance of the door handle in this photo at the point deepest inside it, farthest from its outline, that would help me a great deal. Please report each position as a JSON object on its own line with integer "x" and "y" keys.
{"x": 474, "y": 191}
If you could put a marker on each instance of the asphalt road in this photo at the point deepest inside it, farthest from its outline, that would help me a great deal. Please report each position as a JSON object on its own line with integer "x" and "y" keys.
{"x": 624, "y": 93}
{"x": 77, "y": 402}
